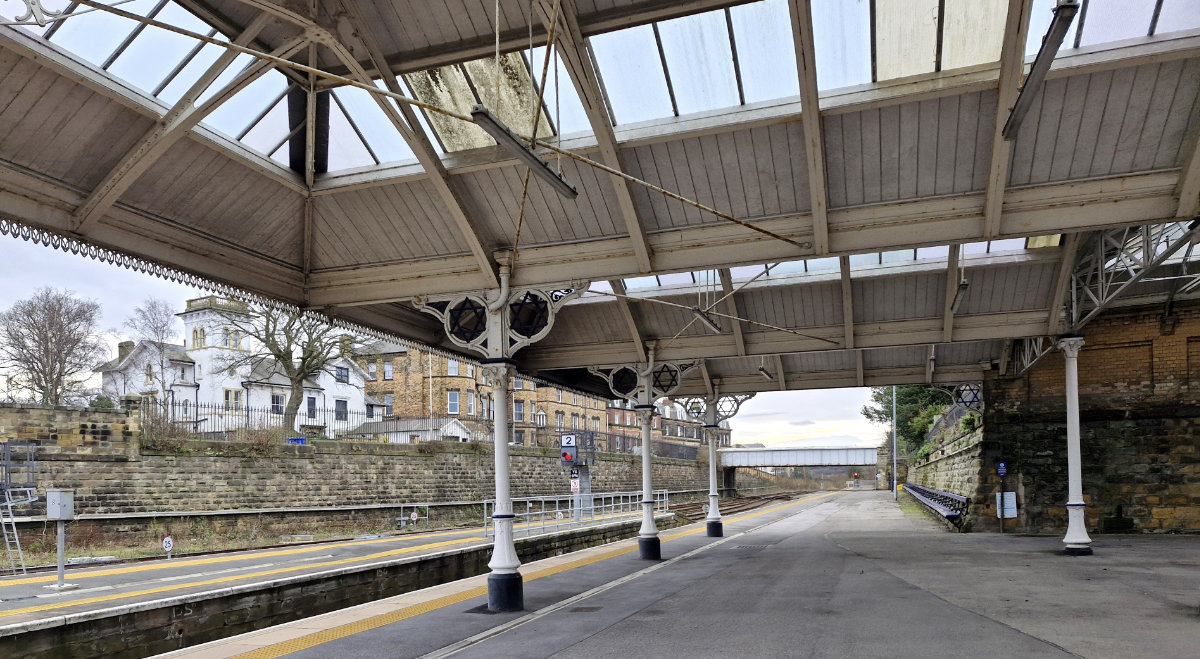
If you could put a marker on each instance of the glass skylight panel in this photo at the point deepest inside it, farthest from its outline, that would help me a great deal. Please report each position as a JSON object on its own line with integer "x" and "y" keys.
{"x": 1114, "y": 20}
{"x": 515, "y": 106}
{"x": 676, "y": 279}
{"x": 96, "y": 35}
{"x": 1178, "y": 15}
{"x": 566, "y": 110}
{"x": 233, "y": 116}
{"x": 785, "y": 268}
{"x": 972, "y": 32}
{"x": 905, "y": 37}
{"x": 1007, "y": 245}
{"x": 897, "y": 256}
{"x": 633, "y": 283}
{"x": 766, "y": 51}
{"x": 744, "y": 272}
{"x": 447, "y": 87}
{"x": 191, "y": 73}
{"x": 227, "y": 76}
{"x": 842, "y": 42}
{"x": 420, "y": 114}
{"x": 601, "y": 286}
{"x": 975, "y": 248}
{"x": 632, "y": 73}
{"x": 346, "y": 148}
{"x": 1039, "y": 21}
{"x": 266, "y": 135}
{"x": 938, "y": 252}
{"x": 151, "y": 57}
{"x": 827, "y": 263}
{"x": 376, "y": 128}
{"x": 700, "y": 62}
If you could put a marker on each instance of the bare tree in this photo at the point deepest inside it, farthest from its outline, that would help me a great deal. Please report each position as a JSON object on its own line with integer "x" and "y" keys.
{"x": 154, "y": 321}
{"x": 296, "y": 344}
{"x": 51, "y": 342}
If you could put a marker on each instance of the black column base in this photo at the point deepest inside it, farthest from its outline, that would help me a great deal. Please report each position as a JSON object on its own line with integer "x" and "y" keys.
{"x": 506, "y": 592}
{"x": 650, "y": 549}
{"x": 716, "y": 529}
{"x": 1077, "y": 551}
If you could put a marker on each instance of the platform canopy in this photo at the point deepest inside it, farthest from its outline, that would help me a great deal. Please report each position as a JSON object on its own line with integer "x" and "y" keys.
{"x": 906, "y": 239}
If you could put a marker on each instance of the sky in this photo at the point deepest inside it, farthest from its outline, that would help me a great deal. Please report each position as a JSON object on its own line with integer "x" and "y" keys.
{"x": 824, "y": 418}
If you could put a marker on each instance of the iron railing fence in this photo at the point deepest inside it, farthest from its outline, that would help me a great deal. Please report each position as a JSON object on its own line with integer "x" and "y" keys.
{"x": 537, "y": 515}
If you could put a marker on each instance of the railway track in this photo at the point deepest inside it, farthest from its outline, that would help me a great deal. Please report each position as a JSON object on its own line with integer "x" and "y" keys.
{"x": 694, "y": 512}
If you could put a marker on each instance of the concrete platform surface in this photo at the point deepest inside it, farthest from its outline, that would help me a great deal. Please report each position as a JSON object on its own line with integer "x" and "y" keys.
{"x": 847, "y": 574}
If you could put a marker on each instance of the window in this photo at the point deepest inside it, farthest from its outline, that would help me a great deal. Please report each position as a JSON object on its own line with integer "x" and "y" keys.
{"x": 341, "y": 410}
{"x": 595, "y": 423}
{"x": 560, "y": 420}
{"x": 341, "y": 374}
{"x": 231, "y": 338}
{"x": 574, "y": 398}
{"x": 232, "y": 372}
{"x": 519, "y": 411}
{"x": 574, "y": 422}
{"x": 541, "y": 418}
{"x": 559, "y": 392}
{"x": 471, "y": 403}
{"x": 277, "y": 402}
{"x": 182, "y": 374}
{"x": 451, "y": 402}
{"x": 452, "y": 364}
{"x": 389, "y": 401}
{"x": 149, "y": 374}
{"x": 312, "y": 407}
{"x": 370, "y": 411}
{"x": 233, "y": 400}
{"x": 387, "y": 370}
{"x": 198, "y": 337}
{"x": 371, "y": 370}
{"x": 470, "y": 370}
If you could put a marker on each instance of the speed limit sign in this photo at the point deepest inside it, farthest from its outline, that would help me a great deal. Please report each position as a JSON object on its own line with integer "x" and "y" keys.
{"x": 168, "y": 545}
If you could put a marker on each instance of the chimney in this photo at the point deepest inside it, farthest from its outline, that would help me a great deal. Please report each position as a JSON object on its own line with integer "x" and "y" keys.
{"x": 123, "y": 350}
{"x": 346, "y": 345}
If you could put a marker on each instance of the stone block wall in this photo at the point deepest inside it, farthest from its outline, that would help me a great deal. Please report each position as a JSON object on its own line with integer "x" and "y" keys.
{"x": 1139, "y": 380}
{"x": 65, "y": 426}
{"x": 954, "y": 465}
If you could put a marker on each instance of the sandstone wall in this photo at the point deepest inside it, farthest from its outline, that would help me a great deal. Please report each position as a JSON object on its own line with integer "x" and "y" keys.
{"x": 1139, "y": 379}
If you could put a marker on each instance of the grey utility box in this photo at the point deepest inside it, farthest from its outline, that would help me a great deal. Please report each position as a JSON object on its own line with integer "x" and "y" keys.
{"x": 60, "y": 504}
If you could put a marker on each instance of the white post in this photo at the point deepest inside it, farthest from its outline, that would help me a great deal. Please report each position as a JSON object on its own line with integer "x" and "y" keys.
{"x": 505, "y": 590}
{"x": 715, "y": 525}
{"x": 648, "y": 542}
{"x": 895, "y": 476}
{"x": 1077, "y": 541}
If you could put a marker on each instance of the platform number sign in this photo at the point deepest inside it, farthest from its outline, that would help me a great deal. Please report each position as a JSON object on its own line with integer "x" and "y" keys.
{"x": 569, "y": 450}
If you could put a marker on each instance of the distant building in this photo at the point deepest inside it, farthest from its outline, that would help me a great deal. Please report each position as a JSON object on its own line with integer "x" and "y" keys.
{"x": 194, "y": 384}
{"x": 413, "y": 383}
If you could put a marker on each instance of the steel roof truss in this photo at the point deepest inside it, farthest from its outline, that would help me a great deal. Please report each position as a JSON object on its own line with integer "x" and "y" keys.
{"x": 810, "y": 105}
{"x": 1012, "y": 63}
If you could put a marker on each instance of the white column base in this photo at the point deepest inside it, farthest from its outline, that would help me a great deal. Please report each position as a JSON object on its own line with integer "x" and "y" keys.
{"x": 1077, "y": 541}
{"x": 504, "y": 551}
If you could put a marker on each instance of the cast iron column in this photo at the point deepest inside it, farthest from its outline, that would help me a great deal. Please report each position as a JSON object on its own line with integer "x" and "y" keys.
{"x": 505, "y": 589}
{"x": 649, "y": 547}
{"x": 1077, "y": 541}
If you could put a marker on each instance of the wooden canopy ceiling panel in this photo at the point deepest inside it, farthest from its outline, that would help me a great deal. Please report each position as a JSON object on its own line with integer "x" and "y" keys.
{"x": 1110, "y": 122}
{"x": 205, "y": 190}
{"x": 382, "y": 224}
{"x": 901, "y": 297}
{"x": 59, "y": 128}
{"x": 1015, "y": 288}
{"x": 814, "y": 305}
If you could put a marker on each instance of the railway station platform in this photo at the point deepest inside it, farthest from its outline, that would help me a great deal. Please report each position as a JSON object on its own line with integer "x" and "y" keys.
{"x": 838, "y": 574}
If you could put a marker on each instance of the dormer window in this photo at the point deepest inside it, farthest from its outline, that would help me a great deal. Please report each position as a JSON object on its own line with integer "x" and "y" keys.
{"x": 341, "y": 373}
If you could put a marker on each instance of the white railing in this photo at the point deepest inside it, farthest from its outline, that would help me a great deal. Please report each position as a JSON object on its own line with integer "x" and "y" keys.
{"x": 546, "y": 514}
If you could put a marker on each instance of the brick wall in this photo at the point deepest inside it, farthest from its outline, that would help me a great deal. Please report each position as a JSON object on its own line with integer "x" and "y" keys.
{"x": 1139, "y": 380}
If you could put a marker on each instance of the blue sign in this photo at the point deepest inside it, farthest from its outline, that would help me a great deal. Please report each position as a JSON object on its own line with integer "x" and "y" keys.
{"x": 297, "y": 441}
{"x": 1002, "y": 469}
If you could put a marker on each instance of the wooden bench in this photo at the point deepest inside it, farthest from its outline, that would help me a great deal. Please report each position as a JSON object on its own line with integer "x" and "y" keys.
{"x": 947, "y": 504}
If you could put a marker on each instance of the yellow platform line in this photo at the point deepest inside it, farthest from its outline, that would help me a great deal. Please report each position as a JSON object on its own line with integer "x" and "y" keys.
{"x": 473, "y": 534}
{"x": 374, "y": 622}
{"x": 220, "y": 580}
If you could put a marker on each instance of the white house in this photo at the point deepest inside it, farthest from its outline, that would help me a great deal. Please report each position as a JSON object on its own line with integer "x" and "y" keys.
{"x": 195, "y": 383}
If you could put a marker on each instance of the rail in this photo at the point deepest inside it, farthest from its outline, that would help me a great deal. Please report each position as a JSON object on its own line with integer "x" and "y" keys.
{"x": 947, "y": 504}
{"x": 534, "y": 515}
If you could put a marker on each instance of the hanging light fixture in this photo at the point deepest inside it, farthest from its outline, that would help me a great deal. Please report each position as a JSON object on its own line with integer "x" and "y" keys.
{"x": 706, "y": 320}
{"x": 1064, "y": 13}
{"x": 516, "y": 146}
{"x": 762, "y": 370}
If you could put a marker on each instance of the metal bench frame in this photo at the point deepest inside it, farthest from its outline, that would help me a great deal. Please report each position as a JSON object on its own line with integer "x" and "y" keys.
{"x": 947, "y": 504}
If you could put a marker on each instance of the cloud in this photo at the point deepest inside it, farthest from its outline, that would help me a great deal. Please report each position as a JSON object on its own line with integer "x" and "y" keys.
{"x": 801, "y": 422}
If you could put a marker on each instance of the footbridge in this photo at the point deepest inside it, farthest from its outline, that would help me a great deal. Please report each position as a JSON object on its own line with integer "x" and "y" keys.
{"x": 796, "y": 457}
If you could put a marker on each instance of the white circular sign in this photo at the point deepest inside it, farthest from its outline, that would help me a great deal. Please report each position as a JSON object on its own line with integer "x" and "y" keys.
{"x": 704, "y": 507}
{"x": 414, "y": 516}
{"x": 558, "y": 515}
{"x": 168, "y": 544}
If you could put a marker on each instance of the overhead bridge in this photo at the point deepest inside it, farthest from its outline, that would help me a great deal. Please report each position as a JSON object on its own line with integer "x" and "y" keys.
{"x": 797, "y": 457}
